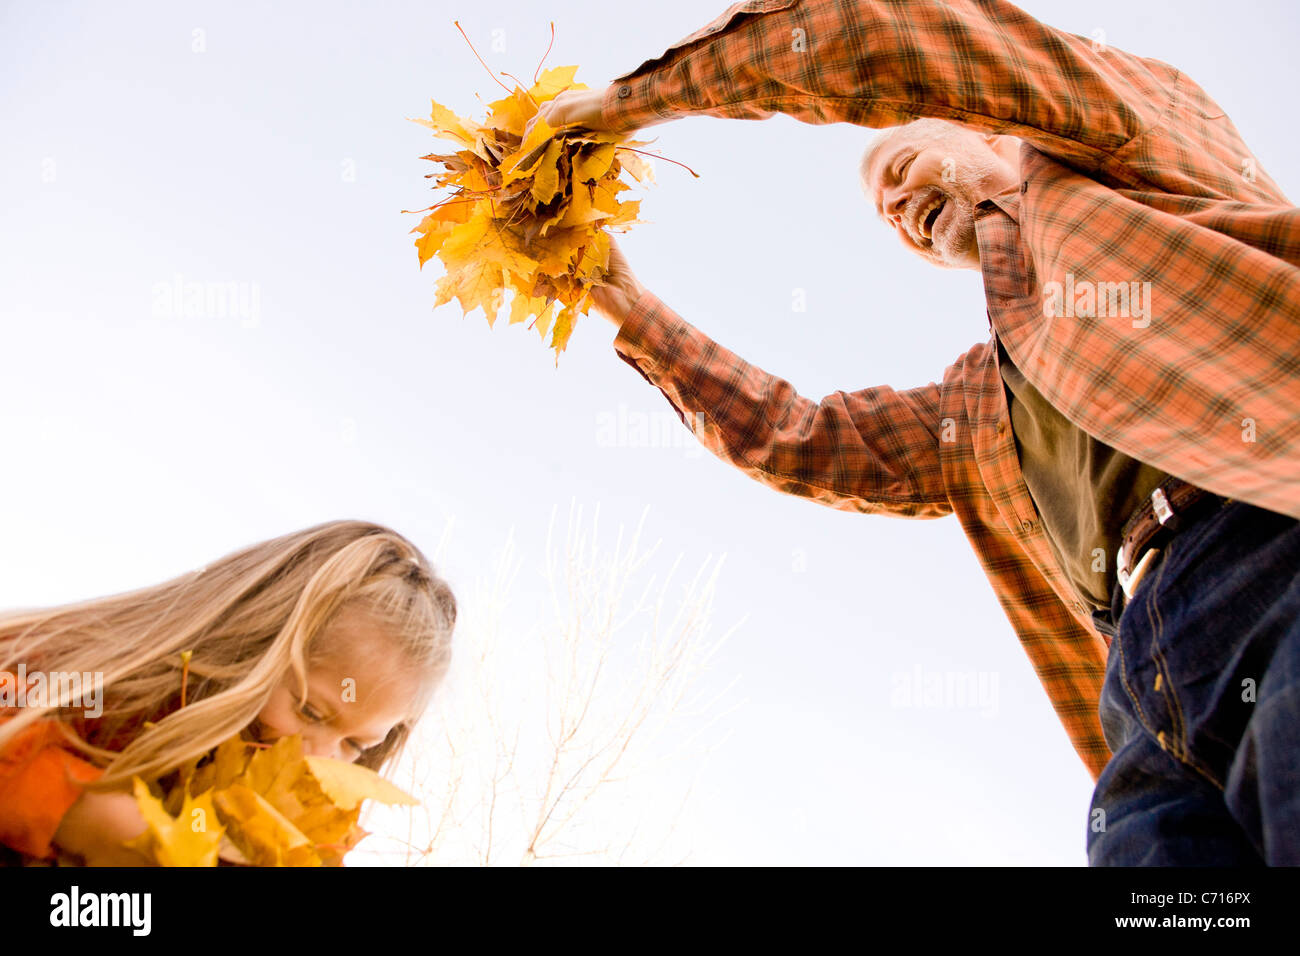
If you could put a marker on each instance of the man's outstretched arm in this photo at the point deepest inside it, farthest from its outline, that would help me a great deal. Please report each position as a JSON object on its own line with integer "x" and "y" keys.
{"x": 878, "y": 63}
{"x": 987, "y": 65}
{"x": 874, "y": 451}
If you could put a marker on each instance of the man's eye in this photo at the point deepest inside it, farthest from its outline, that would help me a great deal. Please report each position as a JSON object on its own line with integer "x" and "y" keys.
{"x": 902, "y": 170}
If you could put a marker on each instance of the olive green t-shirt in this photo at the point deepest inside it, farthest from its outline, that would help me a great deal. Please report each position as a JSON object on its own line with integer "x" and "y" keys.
{"x": 1084, "y": 490}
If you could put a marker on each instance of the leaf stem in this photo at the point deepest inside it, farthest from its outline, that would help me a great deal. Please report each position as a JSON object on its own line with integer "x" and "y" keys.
{"x": 537, "y": 72}
{"x": 657, "y": 156}
{"x": 480, "y": 59}
{"x": 185, "y": 673}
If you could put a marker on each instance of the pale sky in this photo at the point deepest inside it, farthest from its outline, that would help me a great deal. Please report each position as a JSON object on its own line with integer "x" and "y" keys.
{"x": 141, "y": 442}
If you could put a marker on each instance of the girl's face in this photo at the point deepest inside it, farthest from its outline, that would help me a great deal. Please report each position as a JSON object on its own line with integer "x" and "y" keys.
{"x": 354, "y": 697}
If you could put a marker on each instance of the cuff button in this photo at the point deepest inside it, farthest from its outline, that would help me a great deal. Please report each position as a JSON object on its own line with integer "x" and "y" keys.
{"x": 624, "y": 91}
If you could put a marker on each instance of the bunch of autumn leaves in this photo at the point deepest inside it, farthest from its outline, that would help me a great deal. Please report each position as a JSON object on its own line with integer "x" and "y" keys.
{"x": 259, "y": 805}
{"x": 528, "y": 210}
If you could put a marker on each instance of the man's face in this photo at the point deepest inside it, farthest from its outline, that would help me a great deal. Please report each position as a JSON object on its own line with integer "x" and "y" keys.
{"x": 927, "y": 191}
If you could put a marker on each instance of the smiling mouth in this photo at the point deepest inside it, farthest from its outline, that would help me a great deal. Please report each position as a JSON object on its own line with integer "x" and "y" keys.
{"x": 930, "y": 217}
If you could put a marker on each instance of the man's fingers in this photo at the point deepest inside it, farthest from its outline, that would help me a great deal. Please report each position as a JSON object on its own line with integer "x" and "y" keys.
{"x": 617, "y": 260}
{"x": 550, "y": 111}
{"x": 565, "y": 108}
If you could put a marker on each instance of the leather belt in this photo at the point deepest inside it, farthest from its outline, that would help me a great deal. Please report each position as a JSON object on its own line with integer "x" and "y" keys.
{"x": 1168, "y": 510}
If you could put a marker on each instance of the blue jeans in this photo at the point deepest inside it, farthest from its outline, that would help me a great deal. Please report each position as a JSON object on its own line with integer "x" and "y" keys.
{"x": 1201, "y": 702}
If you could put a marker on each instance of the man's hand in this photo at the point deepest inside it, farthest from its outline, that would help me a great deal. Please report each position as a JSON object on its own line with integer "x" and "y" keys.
{"x": 615, "y": 300}
{"x": 582, "y": 108}
{"x": 96, "y": 826}
{"x": 573, "y": 106}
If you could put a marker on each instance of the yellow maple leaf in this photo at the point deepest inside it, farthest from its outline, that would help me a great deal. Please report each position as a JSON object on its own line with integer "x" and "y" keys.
{"x": 533, "y": 203}
{"x": 555, "y": 81}
{"x": 227, "y": 763}
{"x": 347, "y": 784}
{"x": 261, "y": 805}
{"x": 272, "y": 770}
{"x": 591, "y": 165}
{"x": 477, "y": 285}
{"x": 443, "y": 120}
{"x": 190, "y": 839}
{"x": 523, "y": 306}
{"x": 513, "y": 112}
{"x": 546, "y": 177}
{"x": 264, "y": 835}
{"x": 527, "y": 152}
{"x": 563, "y": 328}
{"x": 432, "y": 235}
{"x": 641, "y": 170}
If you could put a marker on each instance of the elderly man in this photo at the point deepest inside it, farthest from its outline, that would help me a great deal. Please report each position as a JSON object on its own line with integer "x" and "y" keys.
{"x": 1123, "y": 453}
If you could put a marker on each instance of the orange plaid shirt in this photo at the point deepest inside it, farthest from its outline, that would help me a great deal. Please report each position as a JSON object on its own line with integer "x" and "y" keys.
{"x": 1130, "y": 173}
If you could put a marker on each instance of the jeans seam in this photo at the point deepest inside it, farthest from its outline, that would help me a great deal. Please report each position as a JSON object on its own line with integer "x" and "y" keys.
{"x": 1181, "y": 750}
{"x": 1157, "y": 622}
{"x": 1128, "y": 689}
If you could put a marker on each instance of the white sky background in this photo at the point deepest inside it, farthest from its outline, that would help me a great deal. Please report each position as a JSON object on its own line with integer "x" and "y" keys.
{"x": 138, "y": 446}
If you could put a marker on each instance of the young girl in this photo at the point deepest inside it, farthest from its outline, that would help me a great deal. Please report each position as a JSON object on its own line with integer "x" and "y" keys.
{"x": 339, "y": 633}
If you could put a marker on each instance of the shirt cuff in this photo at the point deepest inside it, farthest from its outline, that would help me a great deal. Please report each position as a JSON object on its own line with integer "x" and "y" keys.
{"x": 630, "y": 104}
{"x": 650, "y": 339}
{"x": 646, "y": 334}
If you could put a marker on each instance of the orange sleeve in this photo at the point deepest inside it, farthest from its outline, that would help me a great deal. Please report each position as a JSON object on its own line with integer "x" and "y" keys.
{"x": 39, "y": 780}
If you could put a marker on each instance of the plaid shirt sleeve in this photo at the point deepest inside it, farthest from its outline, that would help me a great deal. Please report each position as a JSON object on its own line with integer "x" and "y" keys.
{"x": 874, "y": 451}
{"x": 882, "y": 451}
{"x": 987, "y": 65}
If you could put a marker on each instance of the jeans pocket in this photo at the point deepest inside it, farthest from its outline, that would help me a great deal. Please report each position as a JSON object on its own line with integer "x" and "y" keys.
{"x": 1183, "y": 553}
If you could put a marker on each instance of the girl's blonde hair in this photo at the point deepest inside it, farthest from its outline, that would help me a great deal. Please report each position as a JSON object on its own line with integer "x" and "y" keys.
{"x": 248, "y": 619}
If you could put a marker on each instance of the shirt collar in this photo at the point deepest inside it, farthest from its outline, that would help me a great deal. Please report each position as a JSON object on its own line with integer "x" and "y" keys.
{"x": 1005, "y": 265}
{"x": 1008, "y": 201}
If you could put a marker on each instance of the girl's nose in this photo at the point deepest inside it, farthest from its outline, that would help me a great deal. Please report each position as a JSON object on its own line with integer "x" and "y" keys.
{"x": 323, "y": 748}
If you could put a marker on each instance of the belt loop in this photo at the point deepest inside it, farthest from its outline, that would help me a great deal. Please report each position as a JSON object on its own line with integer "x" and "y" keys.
{"x": 1160, "y": 504}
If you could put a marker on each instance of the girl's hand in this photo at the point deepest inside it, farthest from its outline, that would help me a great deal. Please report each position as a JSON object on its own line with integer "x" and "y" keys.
{"x": 98, "y": 824}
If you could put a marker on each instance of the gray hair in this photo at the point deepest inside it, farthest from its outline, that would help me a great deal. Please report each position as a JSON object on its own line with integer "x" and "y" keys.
{"x": 927, "y": 130}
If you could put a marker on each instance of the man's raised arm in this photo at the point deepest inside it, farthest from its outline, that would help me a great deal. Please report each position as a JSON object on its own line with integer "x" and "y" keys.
{"x": 874, "y": 451}
{"x": 988, "y": 65}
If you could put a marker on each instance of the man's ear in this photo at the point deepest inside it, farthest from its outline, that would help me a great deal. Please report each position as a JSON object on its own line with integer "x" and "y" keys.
{"x": 1008, "y": 147}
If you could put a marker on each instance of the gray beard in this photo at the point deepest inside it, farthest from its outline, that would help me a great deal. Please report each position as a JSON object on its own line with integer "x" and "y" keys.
{"x": 961, "y": 231}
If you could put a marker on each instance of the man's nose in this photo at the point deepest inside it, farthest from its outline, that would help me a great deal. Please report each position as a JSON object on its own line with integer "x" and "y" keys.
{"x": 894, "y": 204}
